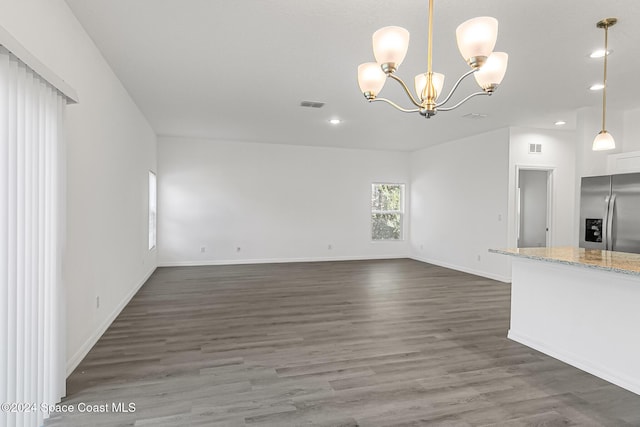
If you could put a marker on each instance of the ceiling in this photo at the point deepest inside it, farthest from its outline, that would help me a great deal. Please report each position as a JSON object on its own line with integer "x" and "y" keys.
{"x": 238, "y": 70}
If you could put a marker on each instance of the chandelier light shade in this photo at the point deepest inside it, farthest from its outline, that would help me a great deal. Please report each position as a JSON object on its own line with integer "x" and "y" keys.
{"x": 493, "y": 71}
{"x": 476, "y": 39}
{"x": 420, "y": 82}
{"x": 371, "y": 78}
{"x": 604, "y": 140}
{"x": 390, "y": 46}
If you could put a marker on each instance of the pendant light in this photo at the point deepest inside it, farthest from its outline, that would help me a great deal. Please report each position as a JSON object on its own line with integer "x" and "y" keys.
{"x": 604, "y": 140}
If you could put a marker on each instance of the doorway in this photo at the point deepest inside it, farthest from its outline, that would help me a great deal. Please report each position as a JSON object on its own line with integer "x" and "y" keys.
{"x": 534, "y": 207}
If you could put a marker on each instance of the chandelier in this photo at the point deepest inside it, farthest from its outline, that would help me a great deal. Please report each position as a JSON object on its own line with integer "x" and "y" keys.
{"x": 476, "y": 39}
{"x": 604, "y": 140}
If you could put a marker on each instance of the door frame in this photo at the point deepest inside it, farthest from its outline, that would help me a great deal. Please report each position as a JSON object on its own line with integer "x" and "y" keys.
{"x": 550, "y": 170}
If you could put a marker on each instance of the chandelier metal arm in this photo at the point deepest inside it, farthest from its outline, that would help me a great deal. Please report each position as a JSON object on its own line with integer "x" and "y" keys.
{"x": 455, "y": 86}
{"x": 464, "y": 100}
{"x": 393, "y": 104}
{"x": 406, "y": 89}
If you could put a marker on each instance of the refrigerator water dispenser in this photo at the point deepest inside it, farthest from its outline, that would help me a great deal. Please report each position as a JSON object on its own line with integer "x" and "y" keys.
{"x": 593, "y": 230}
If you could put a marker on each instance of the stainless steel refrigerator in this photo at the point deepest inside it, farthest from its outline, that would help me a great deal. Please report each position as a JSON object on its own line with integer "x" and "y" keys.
{"x": 610, "y": 212}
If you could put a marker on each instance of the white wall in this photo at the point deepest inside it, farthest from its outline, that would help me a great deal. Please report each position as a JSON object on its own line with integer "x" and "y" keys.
{"x": 459, "y": 204}
{"x": 558, "y": 154}
{"x": 275, "y": 202}
{"x": 631, "y": 130}
{"x": 110, "y": 148}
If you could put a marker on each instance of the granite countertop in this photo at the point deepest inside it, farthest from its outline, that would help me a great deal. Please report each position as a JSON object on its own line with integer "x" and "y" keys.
{"x": 619, "y": 262}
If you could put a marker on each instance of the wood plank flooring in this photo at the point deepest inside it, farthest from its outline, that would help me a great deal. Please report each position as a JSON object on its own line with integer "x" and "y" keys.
{"x": 358, "y": 343}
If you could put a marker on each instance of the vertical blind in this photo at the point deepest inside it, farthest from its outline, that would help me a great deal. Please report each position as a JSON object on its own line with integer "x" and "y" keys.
{"x": 32, "y": 202}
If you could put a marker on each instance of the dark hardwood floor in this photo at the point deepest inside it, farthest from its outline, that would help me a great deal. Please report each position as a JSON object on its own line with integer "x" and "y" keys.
{"x": 362, "y": 343}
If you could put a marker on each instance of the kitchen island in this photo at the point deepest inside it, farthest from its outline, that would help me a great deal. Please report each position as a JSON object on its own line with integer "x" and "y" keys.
{"x": 581, "y": 306}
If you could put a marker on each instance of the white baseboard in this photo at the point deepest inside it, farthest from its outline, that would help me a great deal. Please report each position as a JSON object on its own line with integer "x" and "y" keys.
{"x": 75, "y": 360}
{"x": 488, "y": 275}
{"x": 274, "y": 260}
{"x": 604, "y": 372}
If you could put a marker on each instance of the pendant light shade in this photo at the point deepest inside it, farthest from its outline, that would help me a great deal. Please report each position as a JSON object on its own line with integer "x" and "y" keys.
{"x": 421, "y": 80}
{"x": 390, "y": 46}
{"x": 371, "y": 79}
{"x": 603, "y": 141}
{"x": 476, "y": 39}
{"x": 490, "y": 75}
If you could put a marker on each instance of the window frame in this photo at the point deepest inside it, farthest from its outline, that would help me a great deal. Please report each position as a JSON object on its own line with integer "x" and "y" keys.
{"x": 152, "y": 213}
{"x": 400, "y": 212}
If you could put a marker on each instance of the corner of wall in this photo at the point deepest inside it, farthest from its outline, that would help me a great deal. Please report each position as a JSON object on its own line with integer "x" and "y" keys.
{"x": 83, "y": 350}
{"x": 467, "y": 179}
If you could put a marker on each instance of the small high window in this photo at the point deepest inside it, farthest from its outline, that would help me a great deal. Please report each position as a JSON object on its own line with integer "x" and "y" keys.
{"x": 387, "y": 211}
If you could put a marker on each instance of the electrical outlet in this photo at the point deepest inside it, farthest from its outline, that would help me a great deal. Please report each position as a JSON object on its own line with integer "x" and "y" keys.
{"x": 238, "y": 249}
{"x": 479, "y": 258}
{"x": 97, "y": 302}
{"x": 421, "y": 247}
{"x": 203, "y": 249}
{"x": 329, "y": 246}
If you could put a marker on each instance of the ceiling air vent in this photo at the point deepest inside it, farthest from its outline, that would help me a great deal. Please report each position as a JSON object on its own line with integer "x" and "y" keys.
{"x": 535, "y": 148}
{"x": 311, "y": 104}
{"x": 475, "y": 116}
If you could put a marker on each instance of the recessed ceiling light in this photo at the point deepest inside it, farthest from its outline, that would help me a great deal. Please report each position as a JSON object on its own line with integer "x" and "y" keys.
{"x": 597, "y": 86}
{"x": 600, "y": 53}
{"x": 560, "y": 123}
{"x": 335, "y": 121}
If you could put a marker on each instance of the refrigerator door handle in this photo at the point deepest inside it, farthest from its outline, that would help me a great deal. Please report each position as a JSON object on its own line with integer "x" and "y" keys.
{"x": 605, "y": 222}
{"x": 610, "y": 211}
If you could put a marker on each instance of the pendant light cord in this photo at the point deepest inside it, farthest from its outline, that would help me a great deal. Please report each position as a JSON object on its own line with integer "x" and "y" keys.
{"x": 604, "y": 89}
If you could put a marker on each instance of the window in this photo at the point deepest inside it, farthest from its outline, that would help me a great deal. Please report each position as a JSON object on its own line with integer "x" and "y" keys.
{"x": 153, "y": 198}
{"x": 387, "y": 211}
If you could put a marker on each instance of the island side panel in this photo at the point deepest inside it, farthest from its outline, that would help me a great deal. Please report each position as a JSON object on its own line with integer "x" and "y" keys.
{"x": 585, "y": 317}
